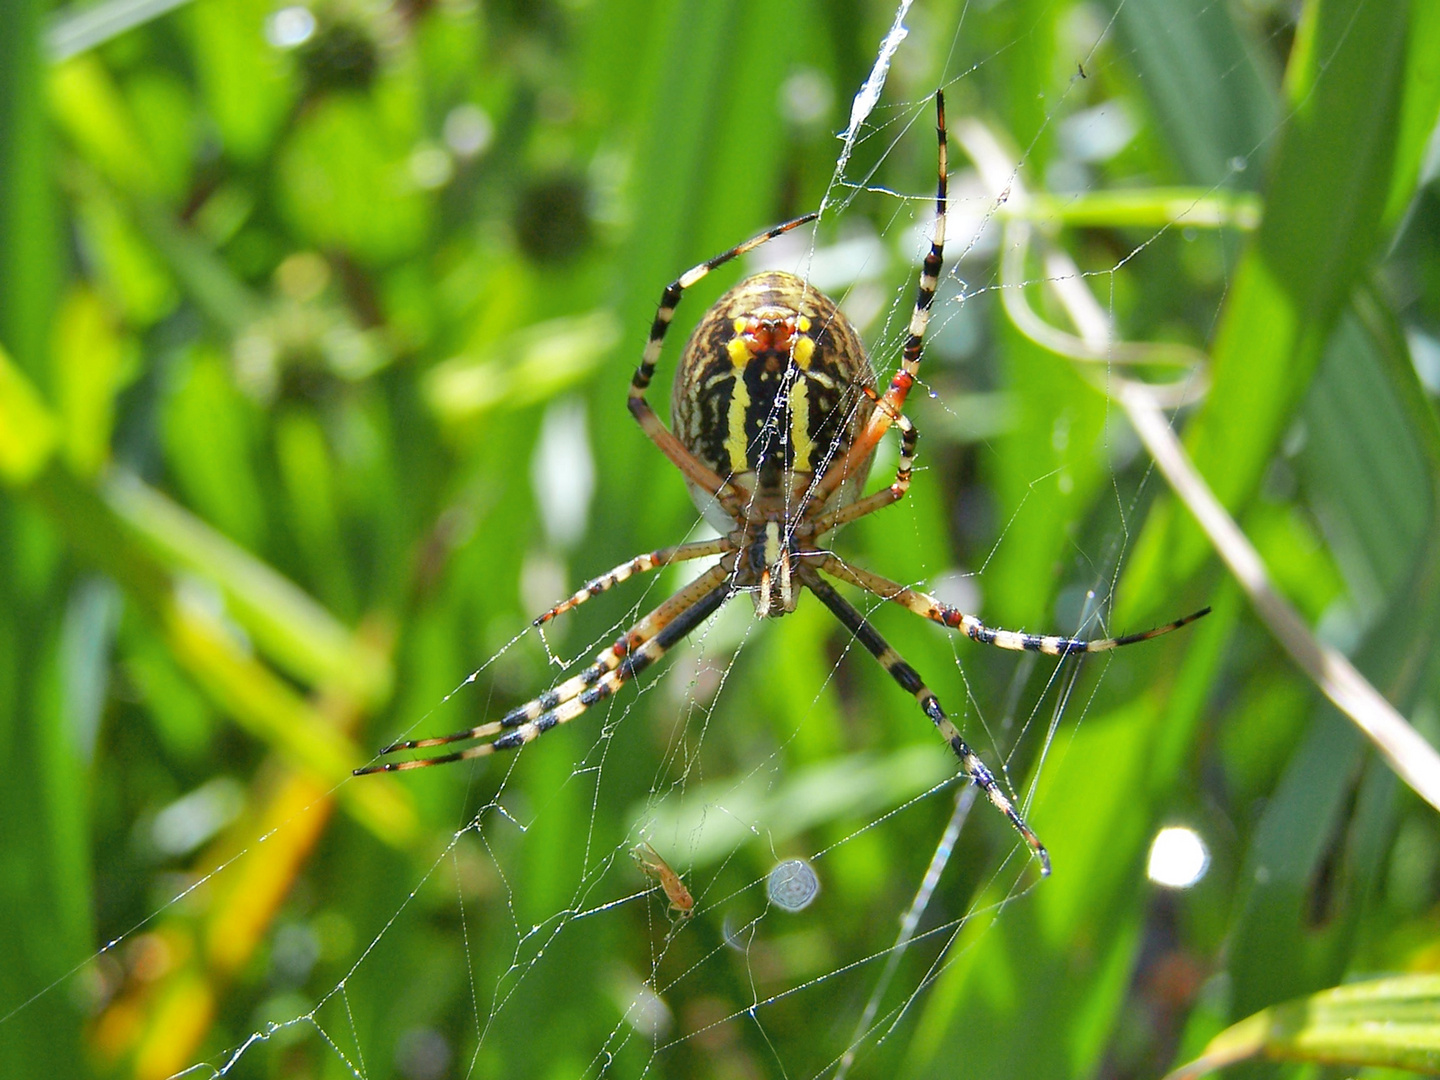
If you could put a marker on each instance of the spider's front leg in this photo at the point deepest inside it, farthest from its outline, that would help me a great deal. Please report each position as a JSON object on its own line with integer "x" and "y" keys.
{"x": 703, "y": 477}
{"x": 890, "y": 404}
{"x": 924, "y": 604}
{"x": 887, "y": 496}
{"x": 910, "y": 680}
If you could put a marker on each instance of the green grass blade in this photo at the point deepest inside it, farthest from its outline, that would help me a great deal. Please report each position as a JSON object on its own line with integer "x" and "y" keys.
{"x": 1391, "y": 1023}
{"x": 1329, "y": 184}
{"x": 1205, "y": 80}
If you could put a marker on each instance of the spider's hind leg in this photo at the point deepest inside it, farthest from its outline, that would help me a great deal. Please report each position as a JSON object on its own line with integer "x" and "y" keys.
{"x": 641, "y": 564}
{"x": 908, "y": 678}
{"x": 633, "y": 652}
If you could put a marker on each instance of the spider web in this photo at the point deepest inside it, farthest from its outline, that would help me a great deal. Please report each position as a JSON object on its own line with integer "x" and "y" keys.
{"x": 536, "y": 884}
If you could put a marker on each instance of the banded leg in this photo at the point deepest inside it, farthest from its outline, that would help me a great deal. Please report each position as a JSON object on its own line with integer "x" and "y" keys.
{"x": 641, "y": 564}
{"x": 881, "y": 499}
{"x": 892, "y": 402}
{"x": 924, "y": 604}
{"x": 632, "y": 653}
{"x": 910, "y": 680}
{"x": 731, "y": 495}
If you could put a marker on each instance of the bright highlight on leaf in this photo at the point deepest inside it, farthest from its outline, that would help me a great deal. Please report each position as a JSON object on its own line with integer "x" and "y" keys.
{"x": 1178, "y": 858}
{"x": 289, "y": 27}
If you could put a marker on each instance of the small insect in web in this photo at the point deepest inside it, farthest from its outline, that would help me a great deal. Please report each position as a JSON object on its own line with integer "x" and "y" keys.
{"x": 682, "y": 904}
{"x": 776, "y": 419}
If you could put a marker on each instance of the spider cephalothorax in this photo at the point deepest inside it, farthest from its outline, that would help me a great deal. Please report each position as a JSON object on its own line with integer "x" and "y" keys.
{"x": 777, "y": 417}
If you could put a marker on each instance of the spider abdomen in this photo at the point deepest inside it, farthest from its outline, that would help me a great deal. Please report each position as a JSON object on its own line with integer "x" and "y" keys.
{"x": 770, "y": 389}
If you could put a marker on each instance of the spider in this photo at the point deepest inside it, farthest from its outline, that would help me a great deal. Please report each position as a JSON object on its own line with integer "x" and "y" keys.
{"x": 776, "y": 421}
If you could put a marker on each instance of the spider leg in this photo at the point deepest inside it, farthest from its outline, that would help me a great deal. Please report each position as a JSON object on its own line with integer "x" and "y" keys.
{"x": 659, "y": 434}
{"x": 893, "y": 400}
{"x": 641, "y": 564}
{"x": 881, "y": 499}
{"x": 634, "y": 651}
{"x": 910, "y": 680}
{"x": 924, "y": 604}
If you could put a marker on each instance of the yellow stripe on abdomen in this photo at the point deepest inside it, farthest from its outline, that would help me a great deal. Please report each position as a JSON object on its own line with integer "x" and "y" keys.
{"x": 800, "y": 423}
{"x": 735, "y": 443}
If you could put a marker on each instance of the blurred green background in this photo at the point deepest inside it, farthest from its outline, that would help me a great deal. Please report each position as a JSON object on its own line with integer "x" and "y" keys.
{"x": 317, "y": 324}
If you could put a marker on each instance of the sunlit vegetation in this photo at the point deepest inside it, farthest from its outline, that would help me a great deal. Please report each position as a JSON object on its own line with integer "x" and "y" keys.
{"x": 316, "y": 325}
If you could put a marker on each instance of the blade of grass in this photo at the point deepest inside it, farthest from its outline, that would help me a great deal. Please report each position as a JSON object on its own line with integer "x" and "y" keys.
{"x": 159, "y": 1025}
{"x": 1391, "y": 1023}
{"x": 1059, "y": 962}
{"x": 1417, "y": 111}
{"x": 77, "y": 30}
{"x": 1205, "y": 80}
{"x": 45, "y": 810}
{"x": 239, "y": 684}
{"x": 1329, "y": 185}
{"x": 713, "y": 819}
{"x": 116, "y": 532}
{"x": 1191, "y": 208}
{"x": 287, "y": 624}
{"x": 29, "y": 236}
{"x": 1414, "y": 760}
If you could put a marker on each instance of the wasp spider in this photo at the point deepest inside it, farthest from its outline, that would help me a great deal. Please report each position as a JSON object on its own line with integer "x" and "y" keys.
{"x": 776, "y": 421}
